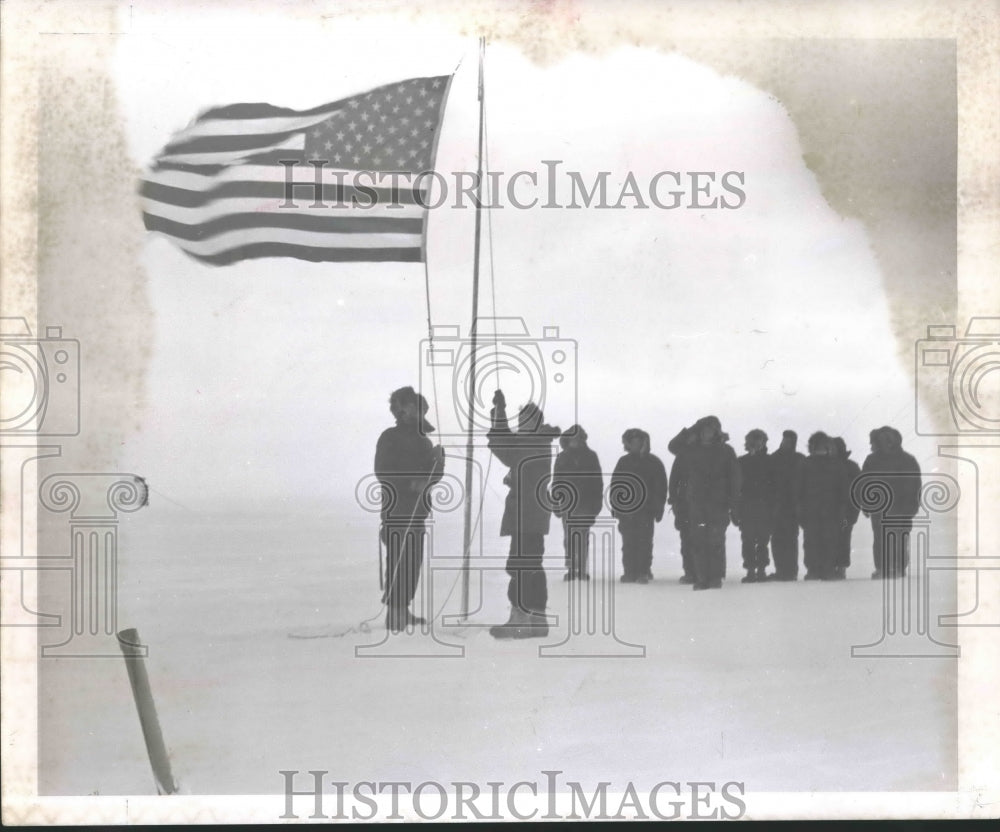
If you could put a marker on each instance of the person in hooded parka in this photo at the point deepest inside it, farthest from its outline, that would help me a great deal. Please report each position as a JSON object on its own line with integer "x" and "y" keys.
{"x": 756, "y": 505}
{"x": 406, "y": 466}
{"x": 528, "y": 454}
{"x": 786, "y": 464}
{"x": 892, "y": 524}
{"x": 638, "y": 497}
{"x": 680, "y": 447}
{"x": 822, "y": 508}
{"x": 577, "y": 494}
{"x": 712, "y": 494}
{"x": 852, "y": 471}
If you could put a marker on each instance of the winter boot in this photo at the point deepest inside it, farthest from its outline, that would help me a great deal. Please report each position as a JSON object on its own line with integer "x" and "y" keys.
{"x": 510, "y": 628}
{"x": 534, "y": 625}
{"x": 751, "y": 577}
{"x": 686, "y": 579}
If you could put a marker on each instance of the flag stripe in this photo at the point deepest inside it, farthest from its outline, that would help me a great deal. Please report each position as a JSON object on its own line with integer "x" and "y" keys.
{"x": 229, "y": 144}
{"x": 291, "y": 147}
{"x": 310, "y": 239}
{"x": 255, "y": 126}
{"x": 271, "y": 191}
{"x": 226, "y": 207}
{"x": 297, "y": 221}
{"x": 254, "y": 251}
{"x": 185, "y": 167}
{"x": 247, "y": 112}
{"x": 303, "y": 175}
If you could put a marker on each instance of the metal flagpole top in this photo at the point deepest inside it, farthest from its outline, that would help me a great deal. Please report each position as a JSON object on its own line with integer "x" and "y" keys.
{"x": 482, "y": 55}
{"x": 470, "y": 447}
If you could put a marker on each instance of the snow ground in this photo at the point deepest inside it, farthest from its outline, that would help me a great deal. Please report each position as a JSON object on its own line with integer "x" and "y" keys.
{"x": 750, "y": 683}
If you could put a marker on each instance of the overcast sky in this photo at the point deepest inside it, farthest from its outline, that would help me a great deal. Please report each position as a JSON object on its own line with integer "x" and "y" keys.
{"x": 268, "y": 380}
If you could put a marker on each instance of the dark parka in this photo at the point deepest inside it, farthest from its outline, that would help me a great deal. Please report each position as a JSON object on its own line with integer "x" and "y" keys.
{"x": 578, "y": 472}
{"x": 786, "y": 468}
{"x": 851, "y": 471}
{"x": 406, "y": 467}
{"x": 757, "y": 485}
{"x": 528, "y": 454}
{"x": 822, "y": 491}
{"x": 679, "y": 447}
{"x": 648, "y": 469}
{"x": 901, "y": 473}
{"x": 713, "y": 489}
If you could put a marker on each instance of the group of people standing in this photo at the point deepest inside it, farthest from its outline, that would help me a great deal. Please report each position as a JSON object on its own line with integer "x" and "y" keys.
{"x": 769, "y": 496}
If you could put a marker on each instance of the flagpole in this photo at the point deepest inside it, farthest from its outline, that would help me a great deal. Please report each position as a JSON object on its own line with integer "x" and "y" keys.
{"x": 469, "y": 447}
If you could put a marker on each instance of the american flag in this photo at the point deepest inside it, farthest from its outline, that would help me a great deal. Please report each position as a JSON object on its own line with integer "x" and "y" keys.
{"x": 220, "y": 189}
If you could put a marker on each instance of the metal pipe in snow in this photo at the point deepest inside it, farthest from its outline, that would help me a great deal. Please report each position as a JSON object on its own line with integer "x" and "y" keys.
{"x": 132, "y": 650}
